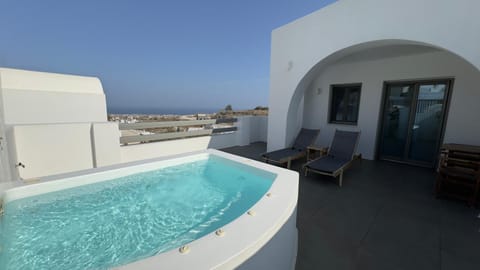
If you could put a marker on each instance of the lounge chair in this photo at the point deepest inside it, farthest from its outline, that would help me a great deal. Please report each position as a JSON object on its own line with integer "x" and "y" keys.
{"x": 305, "y": 138}
{"x": 339, "y": 157}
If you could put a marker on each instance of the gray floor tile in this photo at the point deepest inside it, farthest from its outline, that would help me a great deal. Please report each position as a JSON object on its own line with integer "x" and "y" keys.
{"x": 451, "y": 261}
{"x": 321, "y": 249}
{"x": 384, "y": 217}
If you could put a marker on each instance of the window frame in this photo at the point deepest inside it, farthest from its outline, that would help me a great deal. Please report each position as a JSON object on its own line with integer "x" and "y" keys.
{"x": 330, "y": 104}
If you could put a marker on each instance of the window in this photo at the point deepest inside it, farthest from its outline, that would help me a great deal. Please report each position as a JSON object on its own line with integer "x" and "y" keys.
{"x": 344, "y": 103}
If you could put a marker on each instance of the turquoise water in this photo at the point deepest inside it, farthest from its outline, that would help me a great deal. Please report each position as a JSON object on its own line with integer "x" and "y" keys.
{"x": 112, "y": 223}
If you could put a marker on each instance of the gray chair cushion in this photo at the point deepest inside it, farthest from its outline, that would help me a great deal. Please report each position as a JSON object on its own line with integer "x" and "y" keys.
{"x": 327, "y": 164}
{"x": 305, "y": 138}
{"x": 281, "y": 154}
{"x": 344, "y": 144}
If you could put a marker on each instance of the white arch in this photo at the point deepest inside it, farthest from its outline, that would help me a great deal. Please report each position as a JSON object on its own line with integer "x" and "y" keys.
{"x": 295, "y": 102}
{"x": 301, "y": 48}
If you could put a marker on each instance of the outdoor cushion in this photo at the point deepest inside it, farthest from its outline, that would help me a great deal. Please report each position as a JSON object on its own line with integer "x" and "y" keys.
{"x": 327, "y": 164}
{"x": 344, "y": 144}
{"x": 282, "y": 153}
{"x": 305, "y": 138}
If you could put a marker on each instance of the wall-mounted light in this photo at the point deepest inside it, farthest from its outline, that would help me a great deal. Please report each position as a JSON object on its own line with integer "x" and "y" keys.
{"x": 290, "y": 65}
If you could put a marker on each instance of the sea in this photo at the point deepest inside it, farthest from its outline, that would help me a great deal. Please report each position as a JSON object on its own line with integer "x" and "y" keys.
{"x": 162, "y": 111}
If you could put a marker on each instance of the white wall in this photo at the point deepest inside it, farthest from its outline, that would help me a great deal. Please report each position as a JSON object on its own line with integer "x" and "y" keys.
{"x": 462, "y": 122}
{"x": 259, "y": 128}
{"x": 35, "y": 107}
{"x": 46, "y": 120}
{"x": 52, "y": 149}
{"x": 142, "y": 151}
{"x": 31, "y": 97}
{"x": 105, "y": 144}
{"x": 49, "y": 149}
{"x": 347, "y": 26}
{"x": 250, "y": 129}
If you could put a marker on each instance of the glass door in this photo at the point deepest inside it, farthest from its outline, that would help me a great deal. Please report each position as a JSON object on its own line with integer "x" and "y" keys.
{"x": 427, "y": 122}
{"x": 413, "y": 120}
{"x": 396, "y": 117}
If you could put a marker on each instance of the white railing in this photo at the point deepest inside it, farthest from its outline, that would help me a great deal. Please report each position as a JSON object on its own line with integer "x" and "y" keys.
{"x": 206, "y": 128}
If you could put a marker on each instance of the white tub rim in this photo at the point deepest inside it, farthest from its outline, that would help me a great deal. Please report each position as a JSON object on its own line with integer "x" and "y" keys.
{"x": 244, "y": 236}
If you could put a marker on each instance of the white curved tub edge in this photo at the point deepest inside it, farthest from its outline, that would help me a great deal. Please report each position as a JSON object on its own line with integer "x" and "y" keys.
{"x": 266, "y": 239}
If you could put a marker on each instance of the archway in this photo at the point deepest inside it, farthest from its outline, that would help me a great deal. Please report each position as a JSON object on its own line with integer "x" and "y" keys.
{"x": 405, "y": 50}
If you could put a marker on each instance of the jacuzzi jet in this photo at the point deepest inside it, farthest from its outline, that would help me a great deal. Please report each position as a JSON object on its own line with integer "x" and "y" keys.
{"x": 251, "y": 213}
{"x": 184, "y": 249}
{"x": 220, "y": 232}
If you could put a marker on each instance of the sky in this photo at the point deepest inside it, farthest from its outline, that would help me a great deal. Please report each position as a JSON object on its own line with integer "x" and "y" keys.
{"x": 153, "y": 54}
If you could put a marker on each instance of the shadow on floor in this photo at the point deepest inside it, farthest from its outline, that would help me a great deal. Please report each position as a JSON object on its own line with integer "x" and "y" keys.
{"x": 384, "y": 217}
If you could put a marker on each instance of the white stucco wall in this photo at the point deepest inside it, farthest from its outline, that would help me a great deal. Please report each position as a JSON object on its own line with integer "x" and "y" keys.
{"x": 259, "y": 127}
{"x": 52, "y": 149}
{"x": 105, "y": 144}
{"x": 462, "y": 124}
{"x": 348, "y": 26}
{"x": 31, "y": 97}
{"x": 250, "y": 129}
{"x": 137, "y": 152}
{"x": 41, "y": 111}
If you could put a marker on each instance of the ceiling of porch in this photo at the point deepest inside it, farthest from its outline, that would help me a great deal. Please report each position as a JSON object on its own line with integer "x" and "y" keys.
{"x": 386, "y": 51}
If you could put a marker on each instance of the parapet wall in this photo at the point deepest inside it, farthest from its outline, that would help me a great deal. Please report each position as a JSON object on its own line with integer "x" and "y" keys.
{"x": 31, "y": 97}
{"x": 250, "y": 129}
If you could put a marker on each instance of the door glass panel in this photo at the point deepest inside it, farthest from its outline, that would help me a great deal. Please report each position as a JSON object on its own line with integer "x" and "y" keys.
{"x": 427, "y": 123}
{"x": 396, "y": 120}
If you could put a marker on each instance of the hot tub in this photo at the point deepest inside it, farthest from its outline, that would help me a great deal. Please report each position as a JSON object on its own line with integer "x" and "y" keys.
{"x": 204, "y": 210}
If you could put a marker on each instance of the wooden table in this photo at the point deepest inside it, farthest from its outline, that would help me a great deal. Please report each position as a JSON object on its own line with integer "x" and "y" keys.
{"x": 461, "y": 147}
{"x": 459, "y": 172}
{"x": 462, "y": 152}
{"x": 471, "y": 152}
{"x": 315, "y": 151}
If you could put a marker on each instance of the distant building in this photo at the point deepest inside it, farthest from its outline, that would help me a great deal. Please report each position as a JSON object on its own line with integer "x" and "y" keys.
{"x": 203, "y": 116}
